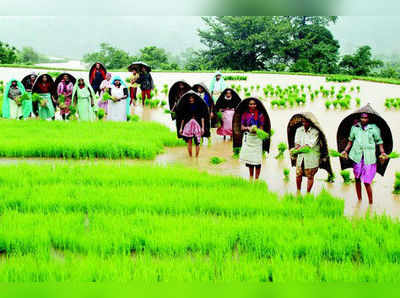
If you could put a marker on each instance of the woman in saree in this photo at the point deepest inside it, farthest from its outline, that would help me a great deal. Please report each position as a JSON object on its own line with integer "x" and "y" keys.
{"x": 252, "y": 148}
{"x": 192, "y": 115}
{"x": 217, "y": 85}
{"x": 96, "y": 77}
{"x": 65, "y": 88}
{"x": 83, "y": 97}
{"x": 226, "y": 105}
{"x": 27, "y": 105}
{"x": 133, "y": 85}
{"x": 363, "y": 140}
{"x": 104, "y": 87}
{"x": 12, "y": 104}
{"x": 45, "y": 90}
{"x": 117, "y": 107}
{"x": 146, "y": 84}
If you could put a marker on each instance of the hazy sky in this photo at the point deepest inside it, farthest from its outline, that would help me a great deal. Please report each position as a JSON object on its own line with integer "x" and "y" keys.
{"x": 67, "y": 36}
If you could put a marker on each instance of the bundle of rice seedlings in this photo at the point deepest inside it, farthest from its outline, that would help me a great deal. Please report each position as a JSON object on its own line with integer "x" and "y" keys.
{"x": 282, "y": 147}
{"x": 334, "y": 153}
{"x": 286, "y": 173}
{"x": 100, "y": 113}
{"x": 147, "y": 102}
{"x": 358, "y": 101}
{"x": 301, "y": 150}
{"x": 262, "y": 135}
{"x": 72, "y": 110}
{"x": 215, "y": 160}
{"x": 36, "y": 97}
{"x": 236, "y": 152}
{"x": 396, "y": 186}
{"x": 135, "y": 118}
{"x": 346, "y": 176}
{"x": 163, "y": 103}
{"x": 167, "y": 111}
{"x": 331, "y": 178}
{"x": 106, "y": 96}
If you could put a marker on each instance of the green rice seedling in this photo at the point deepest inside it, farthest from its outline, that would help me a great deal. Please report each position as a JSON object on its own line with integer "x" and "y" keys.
{"x": 215, "y": 160}
{"x": 312, "y": 97}
{"x": 328, "y": 104}
{"x": 100, "y": 114}
{"x": 358, "y": 101}
{"x": 262, "y": 135}
{"x": 332, "y": 93}
{"x": 233, "y": 86}
{"x": 388, "y": 103}
{"x": 1, "y": 82}
{"x": 302, "y": 87}
{"x": 301, "y": 150}
{"x": 236, "y": 152}
{"x": 106, "y": 96}
{"x": 339, "y": 96}
{"x": 338, "y": 78}
{"x": 394, "y": 155}
{"x": 54, "y": 74}
{"x": 258, "y": 88}
{"x": 346, "y": 176}
{"x": 331, "y": 178}
{"x": 352, "y": 89}
{"x": 134, "y": 118}
{"x": 286, "y": 173}
{"x": 247, "y": 94}
{"x": 36, "y": 97}
{"x": 282, "y": 147}
{"x": 128, "y": 80}
{"x": 72, "y": 110}
{"x": 147, "y": 102}
{"x": 246, "y": 89}
{"x": 252, "y": 88}
{"x": 163, "y": 103}
{"x": 165, "y": 86}
{"x": 1, "y": 89}
{"x": 336, "y": 103}
{"x": 309, "y": 88}
{"x": 358, "y": 89}
{"x": 316, "y": 93}
{"x": 274, "y": 103}
{"x": 76, "y": 140}
{"x": 282, "y": 103}
{"x": 396, "y": 187}
{"x": 167, "y": 111}
{"x": 334, "y": 153}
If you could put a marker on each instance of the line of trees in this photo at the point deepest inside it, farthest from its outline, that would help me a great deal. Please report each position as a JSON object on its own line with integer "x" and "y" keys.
{"x": 115, "y": 58}
{"x": 27, "y": 55}
{"x": 270, "y": 43}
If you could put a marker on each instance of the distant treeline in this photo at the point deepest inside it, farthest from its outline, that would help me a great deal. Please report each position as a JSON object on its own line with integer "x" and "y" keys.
{"x": 246, "y": 43}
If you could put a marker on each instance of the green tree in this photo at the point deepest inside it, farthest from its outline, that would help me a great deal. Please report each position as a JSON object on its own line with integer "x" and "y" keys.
{"x": 267, "y": 42}
{"x": 361, "y": 63}
{"x": 112, "y": 57}
{"x": 29, "y": 56}
{"x": 316, "y": 45}
{"x": 156, "y": 57}
{"x": 8, "y": 54}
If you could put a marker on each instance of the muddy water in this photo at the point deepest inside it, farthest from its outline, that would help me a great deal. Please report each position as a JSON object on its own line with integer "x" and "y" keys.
{"x": 272, "y": 169}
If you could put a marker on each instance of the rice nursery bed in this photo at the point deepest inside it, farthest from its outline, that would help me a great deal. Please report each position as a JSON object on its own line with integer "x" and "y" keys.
{"x": 102, "y": 222}
{"x": 81, "y": 140}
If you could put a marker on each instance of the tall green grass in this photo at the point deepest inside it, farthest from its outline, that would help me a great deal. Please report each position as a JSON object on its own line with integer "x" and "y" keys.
{"x": 80, "y": 140}
{"x": 121, "y": 223}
